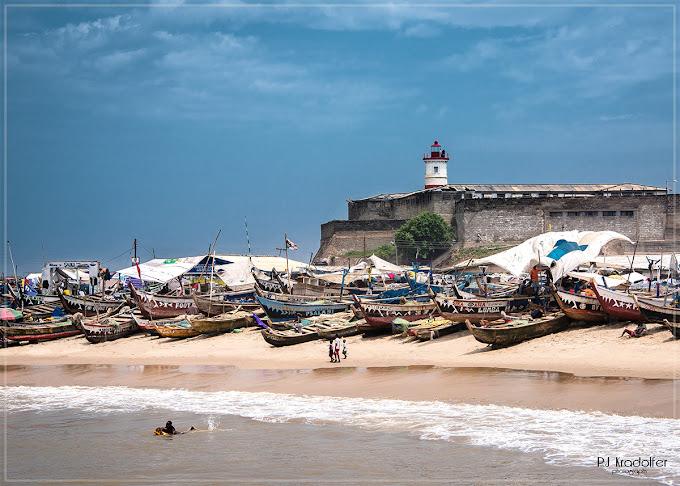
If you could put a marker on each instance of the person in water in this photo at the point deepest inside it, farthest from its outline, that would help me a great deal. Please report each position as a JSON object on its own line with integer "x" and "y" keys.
{"x": 169, "y": 429}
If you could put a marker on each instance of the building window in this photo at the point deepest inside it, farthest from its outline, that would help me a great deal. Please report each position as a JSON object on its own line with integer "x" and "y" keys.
{"x": 572, "y": 213}
{"x": 436, "y": 169}
{"x": 556, "y": 214}
{"x": 609, "y": 213}
{"x": 627, "y": 214}
{"x": 590, "y": 214}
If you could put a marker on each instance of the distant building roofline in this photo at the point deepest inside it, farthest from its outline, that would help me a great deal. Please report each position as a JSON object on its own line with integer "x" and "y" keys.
{"x": 510, "y": 188}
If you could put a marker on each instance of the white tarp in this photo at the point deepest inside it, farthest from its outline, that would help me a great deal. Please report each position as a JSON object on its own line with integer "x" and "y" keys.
{"x": 380, "y": 266}
{"x": 641, "y": 262}
{"x": 161, "y": 270}
{"x": 612, "y": 281}
{"x": 521, "y": 258}
{"x": 236, "y": 273}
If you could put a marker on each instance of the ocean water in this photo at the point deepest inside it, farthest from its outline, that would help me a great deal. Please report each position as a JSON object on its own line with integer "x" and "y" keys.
{"x": 105, "y": 433}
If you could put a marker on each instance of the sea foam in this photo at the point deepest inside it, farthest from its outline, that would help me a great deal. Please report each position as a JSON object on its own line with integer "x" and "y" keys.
{"x": 561, "y": 436}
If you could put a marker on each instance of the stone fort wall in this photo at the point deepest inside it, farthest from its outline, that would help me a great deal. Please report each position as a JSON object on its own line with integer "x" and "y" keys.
{"x": 650, "y": 219}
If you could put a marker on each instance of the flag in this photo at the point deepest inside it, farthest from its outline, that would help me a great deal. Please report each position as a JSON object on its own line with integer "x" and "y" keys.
{"x": 291, "y": 245}
{"x": 136, "y": 262}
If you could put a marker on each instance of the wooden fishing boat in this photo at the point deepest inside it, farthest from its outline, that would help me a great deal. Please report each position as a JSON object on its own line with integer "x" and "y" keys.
{"x": 216, "y": 305}
{"x": 110, "y": 328}
{"x": 45, "y": 330}
{"x": 222, "y": 323}
{"x": 655, "y": 310}
{"x": 457, "y": 309}
{"x": 290, "y": 337}
{"x": 39, "y": 312}
{"x": 331, "y": 330}
{"x": 23, "y": 299}
{"x": 90, "y": 305}
{"x": 379, "y": 315}
{"x": 617, "y": 304}
{"x": 148, "y": 326}
{"x": 177, "y": 329}
{"x": 154, "y": 306}
{"x": 580, "y": 307}
{"x": 434, "y": 328}
{"x": 505, "y": 333}
{"x": 277, "y": 309}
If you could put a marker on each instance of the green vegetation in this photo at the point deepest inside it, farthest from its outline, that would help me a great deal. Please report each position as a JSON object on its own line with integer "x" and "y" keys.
{"x": 386, "y": 252}
{"x": 423, "y": 236}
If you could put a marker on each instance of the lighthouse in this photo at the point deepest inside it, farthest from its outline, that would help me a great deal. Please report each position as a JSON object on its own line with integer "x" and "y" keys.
{"x": 435, "y": 166}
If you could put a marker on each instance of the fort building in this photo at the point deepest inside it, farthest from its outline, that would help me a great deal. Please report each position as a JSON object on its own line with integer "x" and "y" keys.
{"x": 482, "y": 214}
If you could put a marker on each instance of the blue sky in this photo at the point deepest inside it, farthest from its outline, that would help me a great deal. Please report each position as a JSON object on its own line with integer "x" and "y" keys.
{"x": 166, "y": 124}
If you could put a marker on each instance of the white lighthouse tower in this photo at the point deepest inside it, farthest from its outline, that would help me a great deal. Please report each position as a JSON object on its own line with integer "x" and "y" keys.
{"x": 435, "y": 166}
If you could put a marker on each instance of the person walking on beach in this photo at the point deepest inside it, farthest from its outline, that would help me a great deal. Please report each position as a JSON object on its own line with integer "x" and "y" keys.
{"x": 331, "y": 350}
{"x": 336, "y": 348}
{"x": 344, "y": 348}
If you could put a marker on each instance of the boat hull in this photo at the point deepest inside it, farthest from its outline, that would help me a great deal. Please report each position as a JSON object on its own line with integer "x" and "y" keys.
{"x": 580, "y": 307}
{"x": 619, "y": 305}
{"x": 213, "y": 307}
{"x": 154, "y": 306}
{"x": 476, "y": 310}
{"x": 657, "y": 312}
{"x": 288, "y": 310}
{"x": 279, "y": 339}
{"x": 509, "y": 335}
{"x": 89, "y": 306}
{"x": 216, "y": 325}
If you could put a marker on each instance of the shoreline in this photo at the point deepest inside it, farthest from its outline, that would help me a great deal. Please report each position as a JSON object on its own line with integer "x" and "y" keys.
{"x": 596, "y": 351}
{"x": 485, "y": 386}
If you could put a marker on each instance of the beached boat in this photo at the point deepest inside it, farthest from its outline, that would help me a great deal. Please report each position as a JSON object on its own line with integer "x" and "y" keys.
{"x": 656, "y": 310}
{"x": 45, "y": 330}
{"x": 457, "y": 309}
{"x": 580, "y": 307}
{"x": 110, "y": 328}
{"x": 332, "y": 330}
{"x": 434, "y": 328}
{"x": 277, "y": 309}
{"x": 619, "y": 305}
{"x": 216, "y": 305}
{"x": 290, "y": 337}
{"x": 154, "y": 306}
{"x": 23, "y": 299}
{"x": 179, "y": 328}
{"x": 379, "y": 315}
{"x": 222, "y": 323}
{"x": 505, "y": 333}
{"x": 148, "y": 326}
{"x": 39, "y": 312}
{"x": 90, "y": 305}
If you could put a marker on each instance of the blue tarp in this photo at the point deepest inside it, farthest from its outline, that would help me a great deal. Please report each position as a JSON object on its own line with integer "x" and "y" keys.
{"x": 562, "y": 247}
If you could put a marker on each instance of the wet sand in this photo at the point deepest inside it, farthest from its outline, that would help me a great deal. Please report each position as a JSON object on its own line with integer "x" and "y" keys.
{"x": 527, "y": 389}
{"x": 586, "y": 351}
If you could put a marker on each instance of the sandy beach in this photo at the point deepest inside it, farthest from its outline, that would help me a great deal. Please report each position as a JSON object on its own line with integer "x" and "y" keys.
{"x": 585, "y": 351}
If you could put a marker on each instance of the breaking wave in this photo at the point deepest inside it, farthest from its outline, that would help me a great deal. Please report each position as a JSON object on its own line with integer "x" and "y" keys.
{"x": 560, "y": 436}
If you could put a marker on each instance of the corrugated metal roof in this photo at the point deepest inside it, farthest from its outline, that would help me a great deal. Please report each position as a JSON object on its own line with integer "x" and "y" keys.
{"x": 525, "y": 188}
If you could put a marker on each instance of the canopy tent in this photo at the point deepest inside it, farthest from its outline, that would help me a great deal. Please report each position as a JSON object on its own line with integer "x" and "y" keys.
{"x": 233, "y": 270}
{"x": 561, "y": 251}
{"x": 382, "y": 266}
{"x": 639, "y": 262}
{"x": 161, "y": 270}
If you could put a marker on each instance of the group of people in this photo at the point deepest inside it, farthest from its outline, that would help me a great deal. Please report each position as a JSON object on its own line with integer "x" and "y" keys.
{"x": 335, "y": 346}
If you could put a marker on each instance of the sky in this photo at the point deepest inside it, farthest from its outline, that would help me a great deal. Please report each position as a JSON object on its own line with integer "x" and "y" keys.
{"x": 168, "y": 124}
